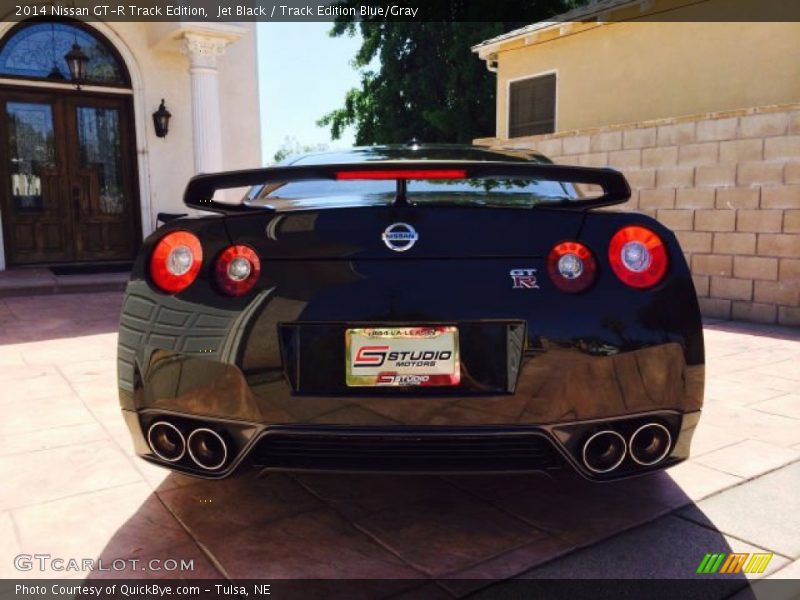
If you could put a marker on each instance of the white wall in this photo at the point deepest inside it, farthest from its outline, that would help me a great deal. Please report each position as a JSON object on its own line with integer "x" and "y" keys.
{"x": 238, "y": 79}
{"x": 165, "y": 74}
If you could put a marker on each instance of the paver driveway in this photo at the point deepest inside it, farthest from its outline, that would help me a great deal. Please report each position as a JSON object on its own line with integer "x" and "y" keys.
{"x": 73, "y": 488}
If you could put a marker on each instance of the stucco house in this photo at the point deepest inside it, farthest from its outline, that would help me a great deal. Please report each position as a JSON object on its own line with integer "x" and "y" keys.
{"x": 84, "y": 171}
{"x": 701, "y": 114}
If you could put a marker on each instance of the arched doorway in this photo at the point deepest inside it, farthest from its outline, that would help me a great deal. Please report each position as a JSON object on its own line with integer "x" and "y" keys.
{"x": 67, "y": 155}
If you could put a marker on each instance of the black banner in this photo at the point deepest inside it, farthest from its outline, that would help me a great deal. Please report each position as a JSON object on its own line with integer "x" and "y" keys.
{"x": 701, "y": 588}
{"x": 399, "y": 10}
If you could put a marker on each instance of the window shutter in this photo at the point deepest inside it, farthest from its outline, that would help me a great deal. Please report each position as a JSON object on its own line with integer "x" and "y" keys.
{"x": 532, "y": 106}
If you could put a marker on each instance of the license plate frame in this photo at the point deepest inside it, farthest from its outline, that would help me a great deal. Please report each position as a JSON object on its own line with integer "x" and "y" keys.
{"x": 402, "y": 356}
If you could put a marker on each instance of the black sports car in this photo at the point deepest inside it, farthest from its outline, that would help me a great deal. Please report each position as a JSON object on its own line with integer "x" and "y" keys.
{"x": 412, "y": 308}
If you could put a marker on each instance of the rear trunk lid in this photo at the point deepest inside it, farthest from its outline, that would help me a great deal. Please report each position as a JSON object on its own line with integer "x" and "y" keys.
{"x": 405, "y": 232}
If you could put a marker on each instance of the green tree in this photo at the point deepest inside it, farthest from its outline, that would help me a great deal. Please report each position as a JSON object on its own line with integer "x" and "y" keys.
{"x": 292, "y": 147}
{"x": 428, "y": 85}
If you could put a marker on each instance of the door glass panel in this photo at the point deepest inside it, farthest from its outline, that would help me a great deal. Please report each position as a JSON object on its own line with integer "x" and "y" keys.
{"x": 37, "y": 50}
{"x": 32, "y": 152}
{"x": 101, "y": 158}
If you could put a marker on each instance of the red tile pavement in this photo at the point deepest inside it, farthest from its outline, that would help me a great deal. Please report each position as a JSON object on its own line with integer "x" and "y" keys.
{"x": 71, "y": 484}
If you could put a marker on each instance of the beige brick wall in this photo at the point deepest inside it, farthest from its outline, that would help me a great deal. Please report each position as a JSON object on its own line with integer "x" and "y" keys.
{"x": 727, "y": 183}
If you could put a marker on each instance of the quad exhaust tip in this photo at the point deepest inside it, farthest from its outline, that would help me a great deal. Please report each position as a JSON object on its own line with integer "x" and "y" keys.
{"x": 604, "y": 451}
{"x": 207, "y": 449}
{"x": 650, "y": 444}
{"x": 166, "y": 441}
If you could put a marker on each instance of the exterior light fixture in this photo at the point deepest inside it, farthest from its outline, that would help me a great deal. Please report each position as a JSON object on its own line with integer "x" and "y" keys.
{"x": 161, "y": 120}
{"x": 76, "y": 60}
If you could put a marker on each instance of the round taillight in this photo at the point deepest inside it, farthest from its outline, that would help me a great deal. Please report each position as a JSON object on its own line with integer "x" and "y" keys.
{"x": 571, "y": 267}
{"x": 176, "y": 261}
{"x": 237, "y": 270}
{"x": 638, "y": 256}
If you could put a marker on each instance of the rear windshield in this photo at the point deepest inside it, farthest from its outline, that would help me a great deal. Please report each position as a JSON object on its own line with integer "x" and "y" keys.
{"x": 484, "y": 191}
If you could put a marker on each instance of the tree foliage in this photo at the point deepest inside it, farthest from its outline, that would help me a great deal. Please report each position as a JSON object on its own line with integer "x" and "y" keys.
{"x": 428, "y": 84}
{"x": 291, "y": 146}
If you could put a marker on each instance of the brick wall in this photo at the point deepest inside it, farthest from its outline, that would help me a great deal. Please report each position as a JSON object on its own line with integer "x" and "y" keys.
{"x": 728, "y": 184}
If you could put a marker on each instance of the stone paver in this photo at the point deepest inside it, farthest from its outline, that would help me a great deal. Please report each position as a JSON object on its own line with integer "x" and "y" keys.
{"x": 137, "y": 522}
{"x": 505, "y": 565}
{"x": 709, "y": 437}
{"x": 31, "y": 383}
{"x": 754, "y": 424}
{"x": 790, "y": 571}
{"x": 787, "y": 405}
{"x": 748, "y": 458}
{"x": 10, "y": 546}
{"x": 446, "y": 534}
{"x": 765, "y": 512}
{"x": 72, "y": 485}
{"x": 683, "y": 484}
{"x": 311, "y": 545}
{"x": 730, "y": 392}
{"x": 574, "y": 509}
{"x": 46, "y": 475}
{"x": 212, "y": 510}
{"x": 30, "y": 440}
{"x": 202, "y": 567}
{"x": 668, "y": 548}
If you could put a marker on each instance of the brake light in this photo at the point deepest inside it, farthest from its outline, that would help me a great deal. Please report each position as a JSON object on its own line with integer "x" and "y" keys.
{"x": 237, "y": 270}
{"x": 176, "y": 261}
{"x": 638, "y": 256}
{"x": 571, "y": 267}
{"x": 404, "y": 174}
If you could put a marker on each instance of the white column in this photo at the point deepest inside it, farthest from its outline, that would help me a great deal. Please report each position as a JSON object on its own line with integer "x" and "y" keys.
{"x": 204, "y": 52}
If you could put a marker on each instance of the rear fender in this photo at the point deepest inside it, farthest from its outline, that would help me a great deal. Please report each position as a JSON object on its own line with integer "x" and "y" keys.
{"x": 671, "y": 306}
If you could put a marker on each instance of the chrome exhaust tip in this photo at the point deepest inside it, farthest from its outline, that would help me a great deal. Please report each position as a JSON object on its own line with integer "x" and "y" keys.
{"x": 604, "y": 451}
{"x": 207, "y": 448}
{"x": 166, "y": 441}
{"x": 650, "y": 444}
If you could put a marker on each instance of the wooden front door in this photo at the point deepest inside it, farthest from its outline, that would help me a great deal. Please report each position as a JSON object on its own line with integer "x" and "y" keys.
{"x": 68, "y": 178}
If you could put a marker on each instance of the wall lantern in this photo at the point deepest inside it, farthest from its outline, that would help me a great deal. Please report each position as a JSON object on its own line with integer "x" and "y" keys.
{"x": 76, "y": 61}
{"x": 161, "y": 120}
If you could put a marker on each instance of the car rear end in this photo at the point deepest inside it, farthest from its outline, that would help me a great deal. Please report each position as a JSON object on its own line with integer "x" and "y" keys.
{"x": 361, "y": 334}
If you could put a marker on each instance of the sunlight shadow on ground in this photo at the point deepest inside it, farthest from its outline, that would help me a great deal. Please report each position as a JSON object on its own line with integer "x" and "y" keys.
{"x": 461, "y": 532}
{"x": 73, "y": 486}
{"x": 25, "y": 319}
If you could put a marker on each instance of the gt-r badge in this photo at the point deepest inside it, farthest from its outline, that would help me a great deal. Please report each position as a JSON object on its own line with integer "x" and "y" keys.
{"x": 523, "y": 279}
{"x": 399, "y": 237}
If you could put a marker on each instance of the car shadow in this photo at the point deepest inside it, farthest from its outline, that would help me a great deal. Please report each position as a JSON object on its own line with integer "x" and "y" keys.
{"x": 439, "y": 536}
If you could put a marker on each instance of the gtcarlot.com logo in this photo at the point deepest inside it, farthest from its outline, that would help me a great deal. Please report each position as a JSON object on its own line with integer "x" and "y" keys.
{"x": 47, "y": 562}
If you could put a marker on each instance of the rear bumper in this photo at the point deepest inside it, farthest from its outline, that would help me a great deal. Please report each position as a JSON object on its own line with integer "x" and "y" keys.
{"x": 530, "y": 395}
{"x": 508, "y": 449}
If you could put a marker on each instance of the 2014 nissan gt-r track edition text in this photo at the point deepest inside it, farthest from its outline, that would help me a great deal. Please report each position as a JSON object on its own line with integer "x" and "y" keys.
{"x": 417, "y": 308}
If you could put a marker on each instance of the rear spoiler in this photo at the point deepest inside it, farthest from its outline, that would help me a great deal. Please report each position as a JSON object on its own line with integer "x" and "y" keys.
{"x": 201, "y": 188}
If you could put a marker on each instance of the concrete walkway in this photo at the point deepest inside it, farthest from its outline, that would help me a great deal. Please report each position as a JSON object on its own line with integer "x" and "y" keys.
{"x": 73, "y": 488}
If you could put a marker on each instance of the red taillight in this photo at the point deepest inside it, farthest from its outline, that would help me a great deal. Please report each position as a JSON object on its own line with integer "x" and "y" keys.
{"x": 638, "y": 256}
{"x": 404, "y": 174}
{"x": 571, "y": 266}
{"x": 237, "y": 270}
{"x": 176, "y": 261}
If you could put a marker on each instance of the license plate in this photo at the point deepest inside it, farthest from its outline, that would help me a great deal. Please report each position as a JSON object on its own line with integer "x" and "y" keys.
{"x": 402, "y": 356}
